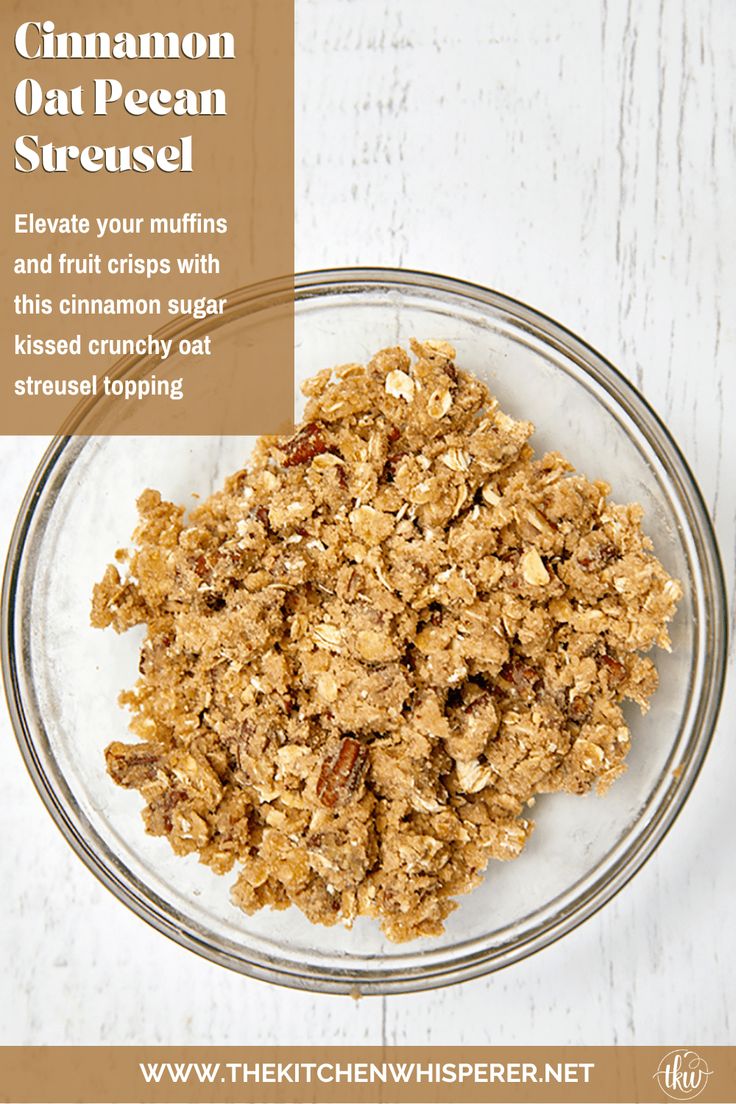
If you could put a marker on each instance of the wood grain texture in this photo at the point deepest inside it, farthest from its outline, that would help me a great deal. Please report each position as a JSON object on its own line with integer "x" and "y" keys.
{"x": 578, "y": 154}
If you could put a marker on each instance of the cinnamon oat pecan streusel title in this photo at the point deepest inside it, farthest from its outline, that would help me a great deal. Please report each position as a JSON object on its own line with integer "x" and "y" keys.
{"x": 371, "y": 650}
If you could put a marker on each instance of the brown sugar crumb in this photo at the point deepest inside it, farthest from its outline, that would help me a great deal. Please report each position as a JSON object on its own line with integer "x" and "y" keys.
{"x": 369, "y": 652}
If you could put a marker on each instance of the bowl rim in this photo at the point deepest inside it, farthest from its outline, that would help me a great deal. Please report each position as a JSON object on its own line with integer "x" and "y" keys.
{"x": 316, "y": 283}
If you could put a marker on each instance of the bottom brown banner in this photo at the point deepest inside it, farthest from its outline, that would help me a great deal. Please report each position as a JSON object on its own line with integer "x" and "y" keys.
{"x": 394, "y": 1075}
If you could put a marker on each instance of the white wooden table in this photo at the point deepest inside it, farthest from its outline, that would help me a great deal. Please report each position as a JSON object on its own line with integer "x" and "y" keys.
{"x": 577, "y": 154}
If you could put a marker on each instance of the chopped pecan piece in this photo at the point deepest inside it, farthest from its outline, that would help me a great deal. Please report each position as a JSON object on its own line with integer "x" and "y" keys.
{"x": 451, "y": 370}
{"x": 341, "y": 774}
{"x": 580, "y": 708}
{"x": 132, "y": 765}
{"x": 161, "y": 808}
{"x": 305, "y": 445}
{"x": 614, "y": 667}
{"x": 477, "y": 703}
{"x": 598, "y": 557}
{"x": 522, "y": 677}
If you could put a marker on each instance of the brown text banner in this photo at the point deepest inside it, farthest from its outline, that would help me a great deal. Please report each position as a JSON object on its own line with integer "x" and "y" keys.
{"x": 335, "y": 1075}
{"x": 147, "y": 246}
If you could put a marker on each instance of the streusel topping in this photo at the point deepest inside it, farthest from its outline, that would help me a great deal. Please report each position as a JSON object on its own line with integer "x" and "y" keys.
{"x": 370, "y": 651}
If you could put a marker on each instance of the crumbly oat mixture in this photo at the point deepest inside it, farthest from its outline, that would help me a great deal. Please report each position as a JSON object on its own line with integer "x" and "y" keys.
{"x": 368, "y": 653}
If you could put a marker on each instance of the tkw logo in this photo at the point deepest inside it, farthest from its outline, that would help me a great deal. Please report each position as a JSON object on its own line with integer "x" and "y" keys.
{"x": 682, "y": 1074}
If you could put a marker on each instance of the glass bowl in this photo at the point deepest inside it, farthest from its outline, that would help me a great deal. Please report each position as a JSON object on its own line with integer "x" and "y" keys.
{"x": 63, "y": 678}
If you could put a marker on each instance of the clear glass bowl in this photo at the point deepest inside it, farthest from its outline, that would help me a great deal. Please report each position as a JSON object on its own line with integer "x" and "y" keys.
{"x": 63, "y": 678}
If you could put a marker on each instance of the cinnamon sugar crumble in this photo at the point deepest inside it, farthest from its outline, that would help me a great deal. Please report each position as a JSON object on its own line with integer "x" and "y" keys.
{"x": 370, "y": 651}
